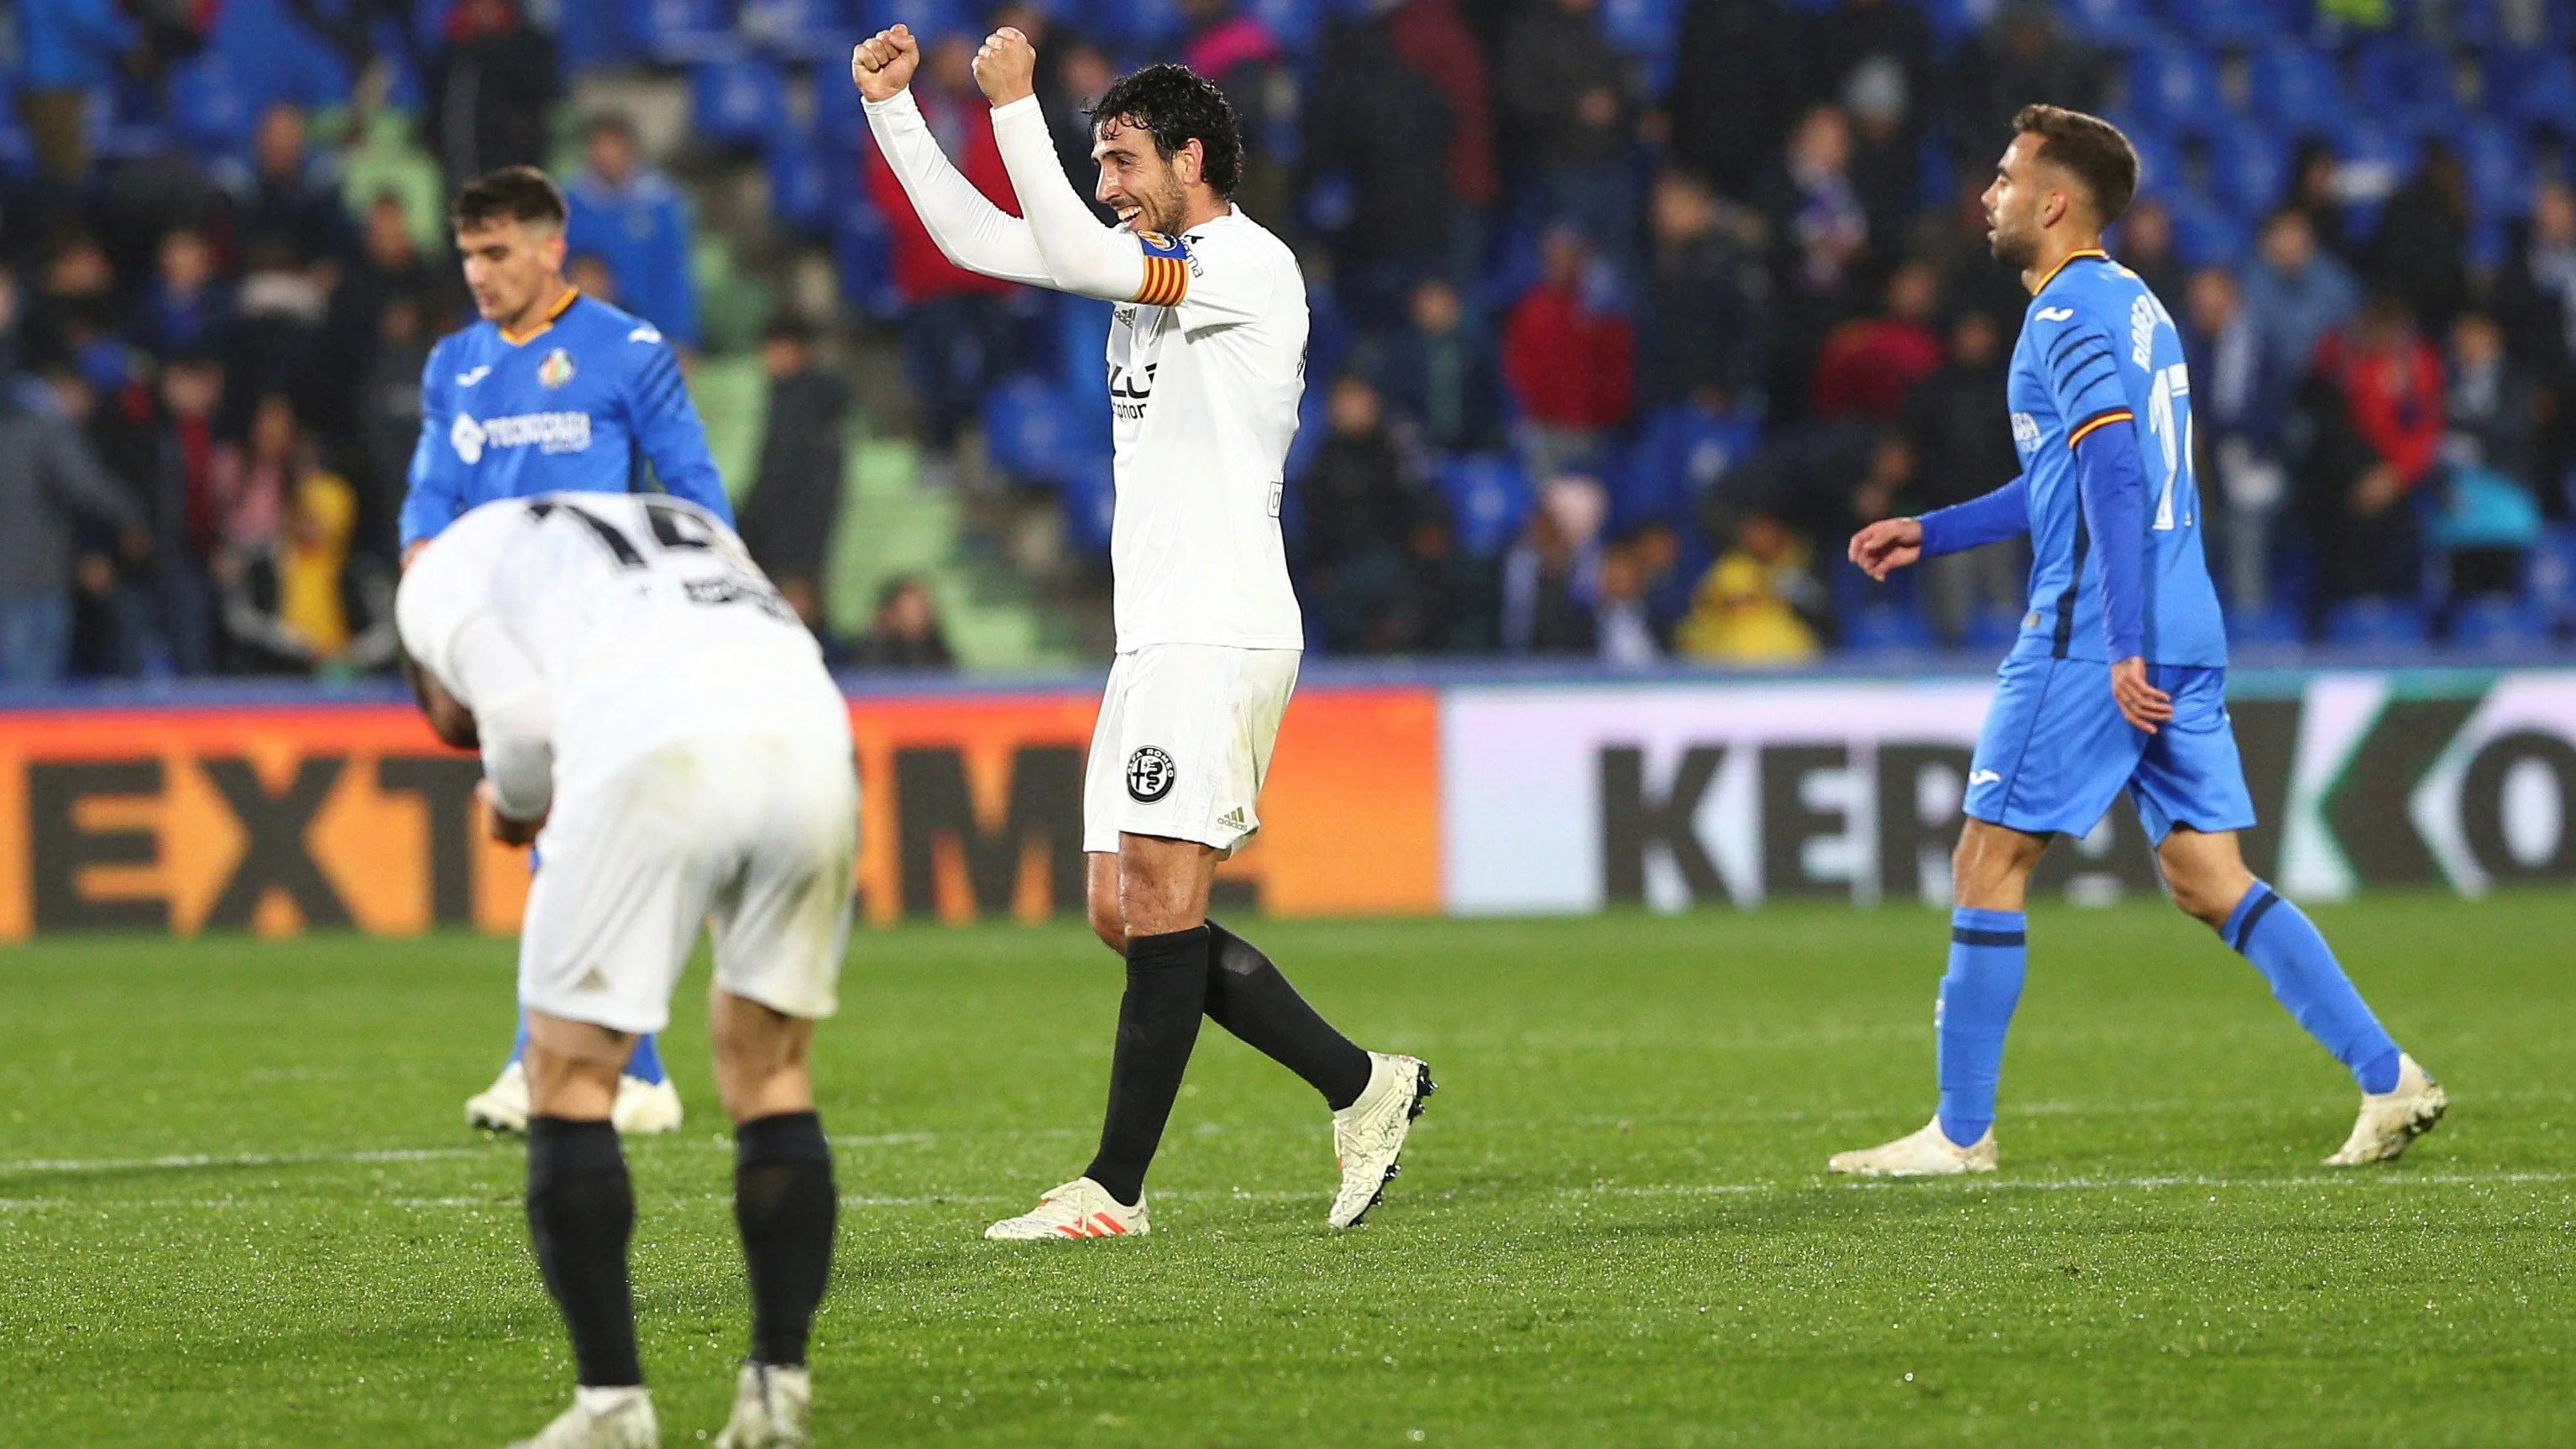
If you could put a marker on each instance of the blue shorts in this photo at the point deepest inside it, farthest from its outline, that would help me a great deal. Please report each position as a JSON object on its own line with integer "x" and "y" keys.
{"x": 2055, "y": 752}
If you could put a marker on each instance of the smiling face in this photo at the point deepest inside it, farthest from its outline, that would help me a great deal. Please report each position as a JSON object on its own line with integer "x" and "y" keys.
{"x": 1148, "y": 192}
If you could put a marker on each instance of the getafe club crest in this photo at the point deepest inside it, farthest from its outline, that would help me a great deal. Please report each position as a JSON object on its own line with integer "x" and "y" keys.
{"x": 556, "y": 370}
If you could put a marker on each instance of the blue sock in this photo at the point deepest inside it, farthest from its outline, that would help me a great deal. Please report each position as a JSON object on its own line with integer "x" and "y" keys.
{"x": 2284, "y": 945}
{"x": 645, "y": 1062}
{"x": 1977, "y": 1000}
{"x": 519, "y": 1043}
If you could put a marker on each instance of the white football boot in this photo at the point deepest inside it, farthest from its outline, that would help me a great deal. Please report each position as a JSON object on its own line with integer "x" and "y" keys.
{"x": 1368, "y": 1135}
{"x": 601, "y": 1419}
{"x": 645, "y": 1107}
{"x": 502, "y": 1106}
{"x": 1928, "y": 1153}
{"x": 1079, "y": 1209}
{"x": 2392, "y": 1119}
{"x": 772, "y": 1409}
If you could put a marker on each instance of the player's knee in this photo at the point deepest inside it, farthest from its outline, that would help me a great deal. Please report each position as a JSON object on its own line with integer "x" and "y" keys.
{"x": 1109, "y": 926}
{"x": 2203, "y": 896}
{"x": 1991, "y": 866}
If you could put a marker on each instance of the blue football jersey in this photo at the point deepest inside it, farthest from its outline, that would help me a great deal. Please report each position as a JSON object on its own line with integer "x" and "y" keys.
{"x": 2098, "y": 349}
{"x": 580, "y": 405}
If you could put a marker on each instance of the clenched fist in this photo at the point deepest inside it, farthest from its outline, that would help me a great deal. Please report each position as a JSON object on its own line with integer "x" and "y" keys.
{"x": 1007, "y": 66}
{"x": 883, "y": 63}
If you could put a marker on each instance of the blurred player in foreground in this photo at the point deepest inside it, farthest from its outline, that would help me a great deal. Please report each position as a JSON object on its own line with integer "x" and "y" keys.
{"x": 656, "y": 720}
{"x": 2119, "y": 678}
{"x": 1206, "y": 364}
{"x": 550, "y": 391}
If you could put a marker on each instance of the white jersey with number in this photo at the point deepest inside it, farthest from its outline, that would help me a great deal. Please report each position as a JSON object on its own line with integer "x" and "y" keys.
{"x": 643, "y": 614}
{"x": 1204, "y": 394}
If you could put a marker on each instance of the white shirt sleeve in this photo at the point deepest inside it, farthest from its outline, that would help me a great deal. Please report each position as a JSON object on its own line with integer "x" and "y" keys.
{"x": 1083, "y": 257}
{"x": 514, "y": 713}
{"x": 970, "y": 230}
{"x": 1224, "y": 281}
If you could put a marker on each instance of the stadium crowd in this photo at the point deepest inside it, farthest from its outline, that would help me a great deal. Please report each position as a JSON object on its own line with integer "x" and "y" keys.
{"x": 1626, "y": 312}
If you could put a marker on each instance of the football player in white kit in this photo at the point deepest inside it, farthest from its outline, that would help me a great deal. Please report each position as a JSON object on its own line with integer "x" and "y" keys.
{"x": 658, "y": 722}
{"x": 1206, "y": 364}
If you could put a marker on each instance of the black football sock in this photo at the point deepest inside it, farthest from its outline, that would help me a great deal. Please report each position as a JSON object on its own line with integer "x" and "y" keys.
{"x": 1247, "y": 996}
{"x": 785, "y": 1205}
{"x": 581, "y": 1211}
{"x": 1158, "y": 1023}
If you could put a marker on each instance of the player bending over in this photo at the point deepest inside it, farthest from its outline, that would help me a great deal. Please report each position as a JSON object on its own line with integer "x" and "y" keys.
{"x": 2119, "y": 678}
{"x": 550, "y": 391}
{"x": 661, "y": 726}
{"x": 1206, "y": 364}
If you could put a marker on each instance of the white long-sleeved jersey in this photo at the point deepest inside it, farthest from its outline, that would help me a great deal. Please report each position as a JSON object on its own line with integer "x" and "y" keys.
{"x": 1206, "y": 362}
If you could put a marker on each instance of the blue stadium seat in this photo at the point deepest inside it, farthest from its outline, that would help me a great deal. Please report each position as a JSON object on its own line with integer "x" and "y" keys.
{"x": 2377, "y": 159}
{"x": 928, "y": 19}
{"x": 2550, "y": 574}
{"x": 2498, "y": 167}
{"x": 839, "y": 119}
{"x": 816, "y": 30}
{"x": 2499, "y": 622}
{"x": 1082, "y": 345}
{"x": 2249, "y": 168}
{"x": 2394, "y": 75}
{"x": 2376, "y": 622}
{"x": 2175, "y": 86}
{"x": 2226, "y": 22}
{"x": 2297, "y": 89}
{"x": 1681, "y": 454}
{"x": 862, "y": 252}
{"x": 1489, "y": 496}
{"x": 2160, "y": 156}
{"x": 680, "y": 32}
{"x": 801, "y": 172}
{"x": 1033, "y": 431}
{"x": 1294, "y": 22}
{"x": 208, "y": 106}
{"x": 1886, "y": 629}
{"x": 2537, "y": 88}
{"x": 591, "y": 36}
{"x": 1133, "y": 23}
{"x": 1090, "y": 495}
{"x": 2274, "y": 623}
{"x": 2114, "y": 23}
{"x": 741, "y": 101}
{"x": 2207, "y": 232}
{"x": 1644, "y": 29}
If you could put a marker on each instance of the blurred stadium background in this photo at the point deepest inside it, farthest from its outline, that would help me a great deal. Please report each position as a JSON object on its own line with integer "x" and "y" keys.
{"x": 1626, "y": 312}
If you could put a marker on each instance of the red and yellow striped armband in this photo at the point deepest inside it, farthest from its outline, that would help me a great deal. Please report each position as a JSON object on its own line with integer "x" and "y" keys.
{"x": 2085, "y": 428}
{"x": 1167, "y": 271}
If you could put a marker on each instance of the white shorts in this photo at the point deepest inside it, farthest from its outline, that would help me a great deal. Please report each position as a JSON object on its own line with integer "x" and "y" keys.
{"x": 1183, "y": 742}
{"x": 756, "y": 835}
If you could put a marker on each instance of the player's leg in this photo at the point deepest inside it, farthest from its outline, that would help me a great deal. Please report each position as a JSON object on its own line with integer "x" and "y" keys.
{"x": 2052, "y": 757}
{"x": 609, "y": 923}
{"x": 1163, "y": 893}
{"x": 1247, "y": 995}
{"x": 781, "y": 926}
{"x": 2191, "y": 797}
{"x": 581, "y": 1217}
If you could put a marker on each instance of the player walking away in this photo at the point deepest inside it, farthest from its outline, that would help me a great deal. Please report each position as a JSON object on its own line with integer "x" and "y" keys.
{"x": 1206, "y": 363}
{"x": 660, "y": 725}
{"x": 2119, "y": 677}
{"x": 551, "y": 391}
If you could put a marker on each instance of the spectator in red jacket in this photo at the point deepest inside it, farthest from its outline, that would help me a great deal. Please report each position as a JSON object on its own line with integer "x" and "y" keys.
{"x": 2375, "y": 401}
{"x": 1869, "y": 364}
{"x": 960, "y": 332}
{"x": 1572, "y": 362}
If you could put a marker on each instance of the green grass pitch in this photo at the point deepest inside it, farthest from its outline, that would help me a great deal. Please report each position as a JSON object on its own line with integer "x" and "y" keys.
{"x": 237, "y": 1206}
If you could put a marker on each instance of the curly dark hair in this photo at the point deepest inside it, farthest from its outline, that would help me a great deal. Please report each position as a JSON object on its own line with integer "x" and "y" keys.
{"x": 1178, "y": 105}
{"x": 513, "y": 193}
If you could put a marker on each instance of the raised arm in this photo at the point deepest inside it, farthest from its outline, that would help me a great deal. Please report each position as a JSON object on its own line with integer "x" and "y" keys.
{"x": 1083, "y": 256}
{"x": 970, "y": 230}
